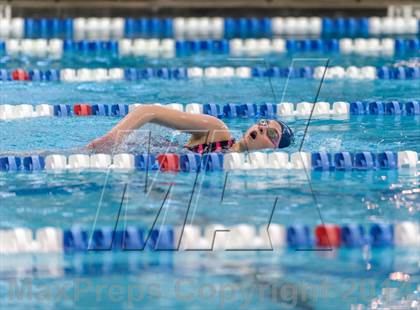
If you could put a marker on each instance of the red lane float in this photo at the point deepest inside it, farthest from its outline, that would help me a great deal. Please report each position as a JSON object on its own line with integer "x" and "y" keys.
{"x": 82, "y": 109}
{"x": 20, "y": 75}
{"x": 168, "y": 162}
{"x": 328, "y": 236}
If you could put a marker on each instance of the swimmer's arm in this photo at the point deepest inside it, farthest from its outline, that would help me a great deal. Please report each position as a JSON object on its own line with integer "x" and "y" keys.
{"x": 199, "y": 125}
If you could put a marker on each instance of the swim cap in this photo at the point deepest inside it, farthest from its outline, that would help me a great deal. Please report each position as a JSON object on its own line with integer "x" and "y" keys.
{"x": 287, "y": 136}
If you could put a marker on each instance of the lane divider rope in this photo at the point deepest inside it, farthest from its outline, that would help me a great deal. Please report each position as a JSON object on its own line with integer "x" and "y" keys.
{"x": 215, "y": 161}
{"x": 239, "y": 237}
{"x": 184, "y": 73}
{"x": 204, "y": 27}
{"x": 226, "y": 111}
{"x": 55, "y": 48}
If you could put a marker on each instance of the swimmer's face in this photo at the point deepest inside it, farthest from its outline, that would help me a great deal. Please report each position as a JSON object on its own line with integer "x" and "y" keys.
{"x": 266, "y": 134}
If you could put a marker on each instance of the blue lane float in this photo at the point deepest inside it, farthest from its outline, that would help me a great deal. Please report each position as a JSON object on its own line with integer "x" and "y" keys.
{"x": 183, "y": 73}
{"x": 215, "y": 161}
{"x": 77, "y": 239}
{"x": 229, "y": 27}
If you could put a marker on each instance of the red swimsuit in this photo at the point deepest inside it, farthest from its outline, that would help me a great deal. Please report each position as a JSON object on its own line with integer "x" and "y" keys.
{"x": 218, "y": 146}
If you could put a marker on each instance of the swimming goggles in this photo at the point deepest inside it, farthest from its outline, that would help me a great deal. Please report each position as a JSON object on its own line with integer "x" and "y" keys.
{"x": 272, "y": 133}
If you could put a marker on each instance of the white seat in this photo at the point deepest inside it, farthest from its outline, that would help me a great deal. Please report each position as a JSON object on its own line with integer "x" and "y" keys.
{"x": 341, "y": 108}
{"x": 407, "y": 159}
{"x": 7, "y": 111}
{"x": 274, "y": 236}
{"x": 123, "y": 161}
{"x": 55, "y": 162}
{"x": 194, "y": 108}
{"x": 100, "y": 161}
{"x": 243, "y": 72}
{"x": 285, "y": 109}
{"x": 44, "y": 110}
{"x": 303, "y": 108}
{"x": 78, "y": 161}
{"x": 300, "y": 160}
{"x": 321, "y": 108}
{"x": 258, "y": 160}
{"x": 195, "y": 72}
{"x": 49, "y": 239}
{"x": 278, "y": 160}
{"x": 241, "y": 237}
{"x": 24, "y": 110}
{"x": 176, "y": 106}
{"x": 232, "y": 161}
{"x": 407, "y": 234}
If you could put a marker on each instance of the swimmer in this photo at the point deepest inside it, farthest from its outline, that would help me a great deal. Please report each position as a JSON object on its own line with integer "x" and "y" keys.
{"x": 208, "y": 133}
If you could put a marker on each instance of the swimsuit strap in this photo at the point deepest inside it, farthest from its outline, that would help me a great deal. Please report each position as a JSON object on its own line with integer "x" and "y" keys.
{"x": 217, "y": 146}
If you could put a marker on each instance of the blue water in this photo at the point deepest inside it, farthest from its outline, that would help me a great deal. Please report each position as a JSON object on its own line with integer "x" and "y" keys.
{"x": 287, "y": 279}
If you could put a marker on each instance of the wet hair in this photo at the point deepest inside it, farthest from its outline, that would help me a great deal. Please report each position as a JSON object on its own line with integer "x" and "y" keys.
{"x": 287, "y": 135}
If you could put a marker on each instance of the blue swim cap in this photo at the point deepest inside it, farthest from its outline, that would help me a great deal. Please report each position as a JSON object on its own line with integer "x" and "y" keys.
{"x": 287, "y": 136}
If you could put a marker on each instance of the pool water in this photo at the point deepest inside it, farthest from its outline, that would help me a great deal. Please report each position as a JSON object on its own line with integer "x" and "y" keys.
{"x": 340, "y": 279}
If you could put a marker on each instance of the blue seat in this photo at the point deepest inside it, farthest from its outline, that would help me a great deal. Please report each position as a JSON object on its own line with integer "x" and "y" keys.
{"x": 100, "y": 109}
{"x": 163, "y": 73}
{"x": 299, "y": 236}
{"x": 321, "y": 161}
{"x": 258, "y": 72}
{"x": 327, "y": 26}
{"x": 68, "y": 28}
{"x": 343, "y": 161}
{"x": 291, "y": 45}
{"x": 273, "y": 72}
{"x": 4, "y": 75}
{"x": 387, "y": 160}
{"x": 400, "y": 45}
{"x": 357, "y": 108}
{"x": 365, "y": 161}
{"x": 351, "y": 26}
{"x": 305, "y": 72}
{"x": 102, "y": 240}
{"x": 393, "y": 108}
{"x": 353, "y": 235}
{"x": 382, "y": 235}
{"x": 181, "y": 47}
{"x": 119, "y": 109}
{"x": 363, "y": 26}
{"x": 399, "y": 73}
{"x": 133, "y": 239}
{"x": 141, "y": 162}
{"x": 412, "y": 107}
{"x": 62, "y": 110}
{"x": 268, "y": 110}
{"x": 230, "y": 110}
{"x": 190, "y": 162}
{"x": 213, "y": 161}
{"x": 229, "y": 27}
{"x": 220, "y": 46}
{"x": 212, "y": 109}
{"x": 131, "y": 74}
{"x": 161, "y": 239}
{"x": 36, "y": 75}
{"x": 384, "y": 73}
{"x": 179, "y": 73}
{"x": 146, "y": 73}
{"x": 75, "y": 240}
{"x": 52, "y": 75}
{"x": 34, "y": 162}
{"x": 248, "y": 110}
{"x": 339, "y": 26}
{"x": 332, "y": 45}
{"x": 376, "y": 108}
{"x": 10, "y": 163}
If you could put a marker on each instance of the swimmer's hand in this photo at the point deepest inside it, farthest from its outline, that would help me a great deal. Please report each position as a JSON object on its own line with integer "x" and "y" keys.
{"x": 103, "y": 144}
